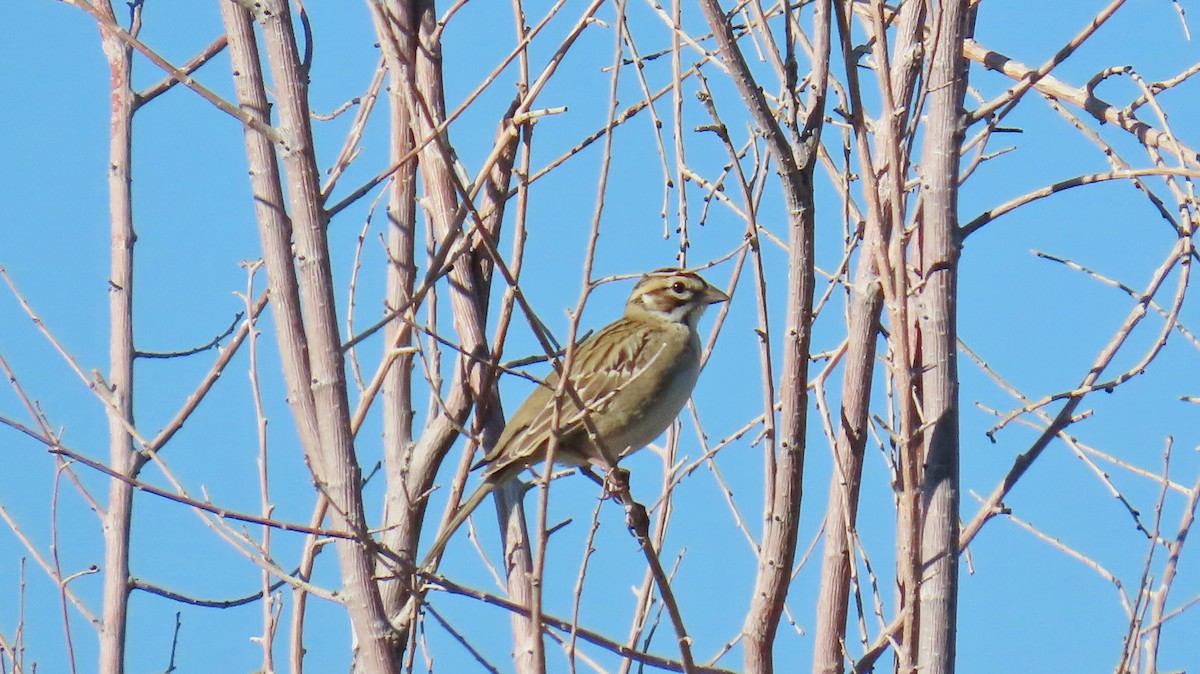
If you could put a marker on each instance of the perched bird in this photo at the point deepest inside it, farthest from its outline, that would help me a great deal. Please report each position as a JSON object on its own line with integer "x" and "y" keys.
{"x": 633, "y": 377}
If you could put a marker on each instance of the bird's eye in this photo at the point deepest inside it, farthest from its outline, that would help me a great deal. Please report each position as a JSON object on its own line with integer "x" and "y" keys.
{"x": 678, "y": 287}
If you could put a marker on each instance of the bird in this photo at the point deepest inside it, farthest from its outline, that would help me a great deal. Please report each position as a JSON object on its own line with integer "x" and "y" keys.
{"x": 633, "y": 377}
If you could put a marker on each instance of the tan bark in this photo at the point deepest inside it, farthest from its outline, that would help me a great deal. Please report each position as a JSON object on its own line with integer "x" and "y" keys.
{"x": 781, "y": 517}
{"x": 935, "y": 309}
{"x": 118, "y": 515}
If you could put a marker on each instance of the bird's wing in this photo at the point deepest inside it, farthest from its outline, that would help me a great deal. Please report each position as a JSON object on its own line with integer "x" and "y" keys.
{"x": 604, "y": 365}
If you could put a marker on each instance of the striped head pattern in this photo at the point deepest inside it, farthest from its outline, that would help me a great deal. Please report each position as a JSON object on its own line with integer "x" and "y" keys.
{"x": 673, "y": 295}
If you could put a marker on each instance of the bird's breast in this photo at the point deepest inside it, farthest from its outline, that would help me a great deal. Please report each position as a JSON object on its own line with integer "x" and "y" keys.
{"x": 651, "y": 403}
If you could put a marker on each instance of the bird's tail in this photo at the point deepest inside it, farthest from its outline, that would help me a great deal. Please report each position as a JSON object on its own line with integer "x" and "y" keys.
{"x": 464, "y": 511}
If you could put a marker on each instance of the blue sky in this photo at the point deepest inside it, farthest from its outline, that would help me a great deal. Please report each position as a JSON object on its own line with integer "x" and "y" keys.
{"x": 1024, "y": 605}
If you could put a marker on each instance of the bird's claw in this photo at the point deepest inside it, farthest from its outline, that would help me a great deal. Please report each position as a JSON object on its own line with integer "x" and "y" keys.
{"x": 616, "y": 482}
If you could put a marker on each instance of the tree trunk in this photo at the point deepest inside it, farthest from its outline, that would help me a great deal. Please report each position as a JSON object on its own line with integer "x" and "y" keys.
{"x": 937, "y": 320}
{"x": 117, "y": 518}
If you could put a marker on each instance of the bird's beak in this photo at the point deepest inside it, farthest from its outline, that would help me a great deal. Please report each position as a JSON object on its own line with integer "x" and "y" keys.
{"x": 713, "y": 295}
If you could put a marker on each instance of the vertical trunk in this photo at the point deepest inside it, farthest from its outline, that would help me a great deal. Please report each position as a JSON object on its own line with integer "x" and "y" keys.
{"x": 407, "y": 31}
{"x": 403, "y": 507}
{"x": 275, "y": 233}
{"x": 275, "y": 230}
{"x": 784, "y": 488}
{"x": 936, "y": 318}
{"x": 781, "y": 523}
{"x": 882, "y": 273}
{"x": 335, "y": 463}
{"x": 117, "y": 518}
{"x": 468, "y": 295}
{"x": 866, "y": 304}
{"x": 528, "y": 655}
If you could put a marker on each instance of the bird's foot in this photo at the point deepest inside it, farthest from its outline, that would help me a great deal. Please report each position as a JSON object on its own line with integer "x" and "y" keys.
{"x": 616, "y": 482}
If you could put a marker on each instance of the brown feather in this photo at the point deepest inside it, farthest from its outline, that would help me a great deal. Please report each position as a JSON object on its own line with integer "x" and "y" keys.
{"x": 632, "y": 377}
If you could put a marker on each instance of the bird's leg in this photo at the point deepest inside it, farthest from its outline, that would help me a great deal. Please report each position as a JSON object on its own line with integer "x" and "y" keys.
{"x": 615, "y": 479}
{"x": 616, "y": 483}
